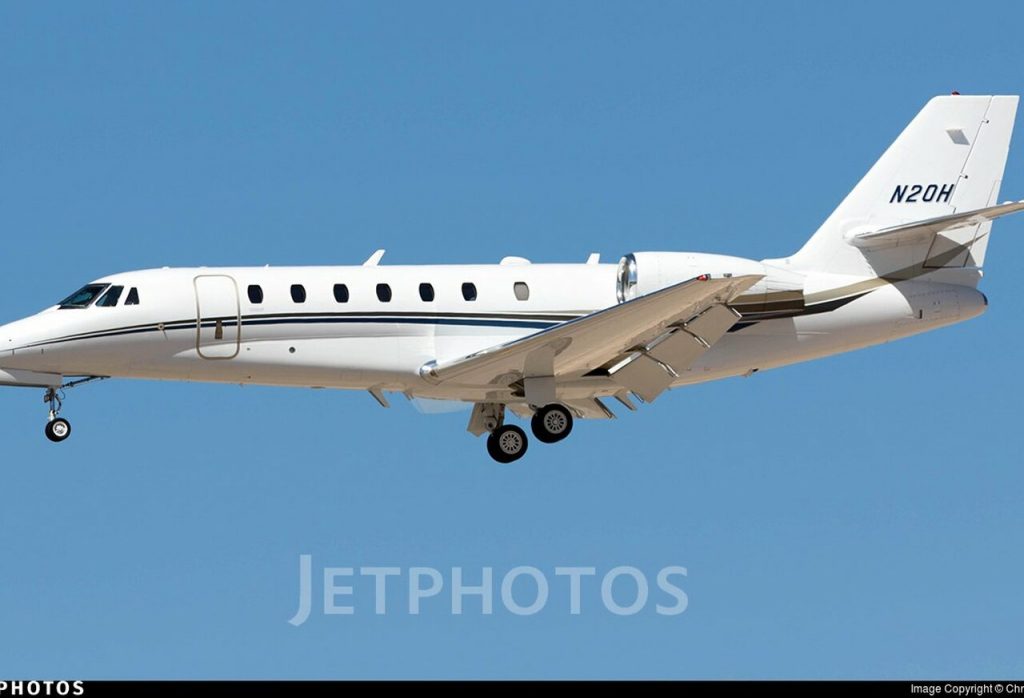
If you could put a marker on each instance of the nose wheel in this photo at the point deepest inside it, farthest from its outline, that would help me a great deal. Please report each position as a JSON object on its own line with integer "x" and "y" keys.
{"x": 58, "y": 429}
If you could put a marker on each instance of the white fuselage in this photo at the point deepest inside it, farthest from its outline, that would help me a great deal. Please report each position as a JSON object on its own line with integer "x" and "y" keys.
{"x": 201, "y": 324}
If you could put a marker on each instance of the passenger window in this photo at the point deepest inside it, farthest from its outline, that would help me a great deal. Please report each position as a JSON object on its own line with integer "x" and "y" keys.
{"x": 110, "y": 298}
{"x": 298, "y": 293}
{"x": 469, "y": 291}
{"x": 133, "y": 297}
{"x": 522, "y": 291}
{"x": 383, "y": 293}
{"x": 426, "y": 293}
{"x": 255, "y": 294}
{"x": 341, "y": 293}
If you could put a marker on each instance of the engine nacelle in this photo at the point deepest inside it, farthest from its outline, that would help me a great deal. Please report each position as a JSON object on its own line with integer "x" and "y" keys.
{"x": 641, "y": 273}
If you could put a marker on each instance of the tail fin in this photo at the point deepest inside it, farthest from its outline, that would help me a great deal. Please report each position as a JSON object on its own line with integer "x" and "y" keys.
{"x": 949, "y": 159}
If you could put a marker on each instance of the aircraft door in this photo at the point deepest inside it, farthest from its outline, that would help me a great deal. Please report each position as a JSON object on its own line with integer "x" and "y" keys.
{"x": 218, "y": 320}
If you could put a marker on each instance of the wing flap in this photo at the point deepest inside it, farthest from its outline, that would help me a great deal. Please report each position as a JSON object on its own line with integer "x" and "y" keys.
{"x": 644, "y": 376}
{"x": 685, "y": 344}
{"x": 651, "y": 370}
{"x": 678, "y": 351}
{"x": 590, "y": 408}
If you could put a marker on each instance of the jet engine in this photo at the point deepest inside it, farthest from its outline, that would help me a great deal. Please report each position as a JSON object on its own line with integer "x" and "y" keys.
{"x": 640, "y": 273}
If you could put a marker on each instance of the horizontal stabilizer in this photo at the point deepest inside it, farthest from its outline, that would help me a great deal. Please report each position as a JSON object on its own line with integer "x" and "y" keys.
{"x": 921, "y": 232}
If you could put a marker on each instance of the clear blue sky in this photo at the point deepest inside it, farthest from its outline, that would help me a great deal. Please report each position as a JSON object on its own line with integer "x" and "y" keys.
{"x": 855, "y": 517}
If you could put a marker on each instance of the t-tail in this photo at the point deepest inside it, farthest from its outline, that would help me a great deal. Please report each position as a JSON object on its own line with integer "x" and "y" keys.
{"x": 928, "y": 203}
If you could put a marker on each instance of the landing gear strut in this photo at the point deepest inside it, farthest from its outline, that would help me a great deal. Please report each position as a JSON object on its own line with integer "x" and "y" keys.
{"x": 57, "y": 428}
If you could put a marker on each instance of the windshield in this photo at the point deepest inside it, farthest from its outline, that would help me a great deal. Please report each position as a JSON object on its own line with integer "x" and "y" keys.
{"x": 84, "y": 296}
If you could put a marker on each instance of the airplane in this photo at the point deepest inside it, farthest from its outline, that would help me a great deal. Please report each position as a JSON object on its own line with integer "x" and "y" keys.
{"x": 550, "y": 343}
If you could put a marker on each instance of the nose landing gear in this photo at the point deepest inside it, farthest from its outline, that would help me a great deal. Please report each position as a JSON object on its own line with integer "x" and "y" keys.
{"x": 58, "y": 428}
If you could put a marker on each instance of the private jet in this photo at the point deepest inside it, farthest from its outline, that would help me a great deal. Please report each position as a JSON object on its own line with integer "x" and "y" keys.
{"x": 552, "y": 343}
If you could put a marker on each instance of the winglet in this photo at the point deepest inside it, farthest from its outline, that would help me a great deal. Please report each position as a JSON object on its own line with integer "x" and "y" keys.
{"x": 374, "y": 259}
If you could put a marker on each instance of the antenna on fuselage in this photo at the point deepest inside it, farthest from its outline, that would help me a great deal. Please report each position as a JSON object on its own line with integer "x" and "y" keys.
{"x": 374, "y": 259}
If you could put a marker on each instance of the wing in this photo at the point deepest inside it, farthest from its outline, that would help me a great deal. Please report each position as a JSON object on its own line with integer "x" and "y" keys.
{"x": 628, "y": 342}
{"x": 922, "y": 231}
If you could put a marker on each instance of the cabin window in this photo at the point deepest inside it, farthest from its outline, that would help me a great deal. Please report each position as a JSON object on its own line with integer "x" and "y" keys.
{"x": 426, "y": 293}
{"x": 383, "y": 293}
{"x": 521, "y": 290}
{"x": 83, "y": 297}
{"x": 298, "y": 293}
{"x": 133, "y": 297}
{"x": 255, "y": 294}
{"x": 469, "y": 291}
{"x": 110, "y": 298}
{"x": 341, "y": 293}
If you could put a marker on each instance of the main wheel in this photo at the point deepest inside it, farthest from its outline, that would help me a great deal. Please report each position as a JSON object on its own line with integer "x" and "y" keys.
{"x": 58, "y": 429}
{"x": 507, "y": 443}
{"x": 551, "y": 424}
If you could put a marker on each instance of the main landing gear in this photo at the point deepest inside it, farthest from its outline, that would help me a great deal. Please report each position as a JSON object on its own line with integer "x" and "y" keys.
{"x": 58, "y": 428}
{"x": 551, "y": 424}
{"x": 507, "y": 442}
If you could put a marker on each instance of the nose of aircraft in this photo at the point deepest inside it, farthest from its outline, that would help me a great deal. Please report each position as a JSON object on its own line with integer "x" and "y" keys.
{"x": 20, "y": 364}
{"x": 15, "y": 337}
{"x": 6, "y": 340}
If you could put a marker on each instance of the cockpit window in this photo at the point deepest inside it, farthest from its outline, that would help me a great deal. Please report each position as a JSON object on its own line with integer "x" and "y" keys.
{"x": 83, "y": 297}
{"x": 110, "y": 298}
{"x": 133, "y": 297}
